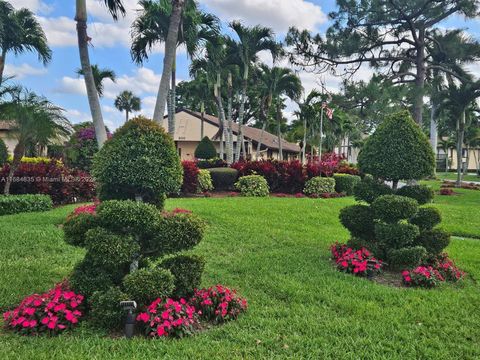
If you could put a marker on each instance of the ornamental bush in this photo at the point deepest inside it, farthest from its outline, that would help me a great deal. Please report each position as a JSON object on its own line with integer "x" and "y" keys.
{"x": 187, "y": 271}
{"x": 369, "y": 189}
{"x": 204, "y": 181}
{"x": 14, "y": 204}
{"x": 148, "y": 284}
{"x": 205, "y": 149}
{"x": 393, "y": 208}
{"x": 397, "y": 150}
{"x": 359, "y": 220}
{"x": 76, "y": 227}
{"x": 396, "y": 236}
{"x": 422, "y": 193}
{"x": 252, "y": 185}
{"x": 105, "y": 310}
{"x": 435, "y": 241}
{"x": 223, "y": 178}
{"x": 3, "y": 153}
{"x": 407, "y": 256}
{"x": 190, "y": 177}
{"x": 87, "y": 278}
{"x": 345, "y": 183}
{"x": 139, "y": 162}
{"x": 427, "y": 218}
{"x": 319, "y": 185}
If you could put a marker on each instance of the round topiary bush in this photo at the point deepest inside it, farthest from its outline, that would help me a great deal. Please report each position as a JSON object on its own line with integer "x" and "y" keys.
{"x": 148, "y": 284}
{"x": 435, "y": 241}
{"x": 3, "y": 153}
{"x": 358, "y": 219}
{"x": 427, "y": 218}
{"x": 187, "y": 271}
{"x": 206, "y": 149}
{"x": 76, "y": 226}
{"x": 204, "y": 181}
{"x": 253, "y": 185}
{"x": 407, "y": 257}
{"x": 396, "y": 236}
{"x": 369, "y": 189}
{"x": 393, "y": 208}
{"x": 319, "y": 185}
{"x": 105, "y": 310}
{"x": 397, "y": 150}
{"x": 345, "y": 183}
{"x": 422, "y": 193}
{"x": 139, "y": 162}
{"x": 87, "y": 278}
{"x": 223, "y": 178}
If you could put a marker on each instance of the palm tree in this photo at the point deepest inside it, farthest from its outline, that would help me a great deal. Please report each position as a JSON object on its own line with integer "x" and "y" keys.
{"x": 127, "y": 102}
{"x": 307, "y": 114}
{"x": 35, "y": 121}
{"x": 20, "y": 32}
{"x": 244, "y": 52}
{"x": 152, "y": 26}
{"x": 115, "y": 8}
{"x": 99, "y": 75}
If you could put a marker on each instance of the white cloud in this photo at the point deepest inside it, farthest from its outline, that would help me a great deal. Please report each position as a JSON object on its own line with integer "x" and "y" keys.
{"x": 69, "y": 85}
{"x": 22, "y": 71}
{"x": 277, "y": 14}
{"x": 33, "y": 5}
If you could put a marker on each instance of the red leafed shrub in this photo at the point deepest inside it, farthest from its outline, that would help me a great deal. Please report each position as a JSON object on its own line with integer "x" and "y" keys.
{"x": 190, "y": 177}
{"x": 422, "y": 276}
{"x": 86, "y": 209}
{"x": 176, "y": 211}
{"x": 218, "y": 304}
{"x": 53, "y": 312}
{"x": 64, "y": 185}
{"x": 331, "y": 195}
{"x": 169, "y": 318}
{"x": 359, "y": 262}
{"x": 327, "y": 167}
{"x": 346, "y": 168}
{"x": 446, "y": 191}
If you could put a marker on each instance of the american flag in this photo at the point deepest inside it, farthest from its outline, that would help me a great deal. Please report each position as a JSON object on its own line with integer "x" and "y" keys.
{"x": 328, "y": 111}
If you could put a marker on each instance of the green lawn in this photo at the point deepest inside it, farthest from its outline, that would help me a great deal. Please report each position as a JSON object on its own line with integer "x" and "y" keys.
{"x": 275, "y": 251}
{"x": 453, "y": 176}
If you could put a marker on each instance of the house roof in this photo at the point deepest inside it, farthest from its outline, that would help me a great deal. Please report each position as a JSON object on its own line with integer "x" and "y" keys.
{"x": 254, "y": 134}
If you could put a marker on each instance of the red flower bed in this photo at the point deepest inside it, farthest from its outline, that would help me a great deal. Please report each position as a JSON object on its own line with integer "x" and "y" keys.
{"x": 64, "y": 185}
{"x": 86, "y": 209}
{"x": 169, "y": 318}
{"x": 423, "y": 276}
{"x": 52, "y": 312}
{"x": 446, "y": 191}
{"x": 345, "y": 168}
{"x": 359, "y": 262}
{"x": 447, "y": 268}
{"x": 218, "y": 304}
{"x": 190, "y": 177}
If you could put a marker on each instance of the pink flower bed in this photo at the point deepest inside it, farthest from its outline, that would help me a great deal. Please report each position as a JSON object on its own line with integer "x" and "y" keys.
{"x": 358, "y": 262}
{"x": 424, "y": 276}
{"x": 52, "y": 312}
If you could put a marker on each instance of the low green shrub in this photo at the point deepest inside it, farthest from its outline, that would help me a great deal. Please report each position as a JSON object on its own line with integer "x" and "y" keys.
{"x": 205, "y": 149}
{"x": 434, "y": 240}
{"x": 252, "y": 185}
{"x": 87, "y": 278}
{"x": 148, "y": 284}
{"x": 175, "y": 232}
{"x": 105, "y": 310}
{"x": 223, "y": 178}
{"x": 109, "y": 250}
{"x": 14, "y": 204}
{"x": 427, "y": 218}
{"x": 345, "y": 183}
{"x": 187, "y": 271}
{"x": 393, "y": 208}
{"x": 358, "y": 219}
{"x": 407, "y": 257}
{"x": 204, "y": 181}
{"x": 75, "y": 228}
{"x": 319, "y": 185}
{"x": 3, "y": 153}
{"x": 358, "y": 243}
{"x": 369, "y": 189}
{"x": 396, "y": 236}
{"x": 422, "y": 193}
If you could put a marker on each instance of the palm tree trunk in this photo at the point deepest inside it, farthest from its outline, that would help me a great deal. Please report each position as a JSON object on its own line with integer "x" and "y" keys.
{"x": 434, "y": 131}
{"x": 18, "y": 153}
{"x": 230, "y": 120}
{"x": 171, "y": 100}
{"x": 420, "y": 78}
{"x": 259, "y": 146}
{"x": 126, "y": 115}
{"x": 170, "y": 50}
{"x": 92, "y": 94}
{"x": 202, "y": 120}
{"x": 460, "y": 136}
{"x": 467, "y": 147}
{"x": 279, "y": 133}
{"x": 304, "y": 147}
{"x": 2, "y": 64}
{"x": 241, "y": 115}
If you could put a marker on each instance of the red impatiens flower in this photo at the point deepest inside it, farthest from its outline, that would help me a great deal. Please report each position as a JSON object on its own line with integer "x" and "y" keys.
{"x": 358, "y": 262}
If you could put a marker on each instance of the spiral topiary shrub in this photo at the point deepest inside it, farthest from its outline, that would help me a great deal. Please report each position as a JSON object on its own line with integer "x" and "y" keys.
{"x": 187, "y": 271}
{"x": 427, "y": 218}
{"x": 369, "y": 189}
{"x": 435, "y": 241}
{"x": 319, "y": 185}
{"x": 75, "y": 228}
{"x": 422, "y": 193}
{"x": 139, "y": 162}
{"x": 105, "y": 310}
{"x": 148, "y": 284}
{"x": 253, "y": 185}
{"x": 345, "y": 183}
{"x": 396, "y": 236}
{"x": 407, "y": 256}
{"x": 359, "y": 220}
{"x": 393, "y": 208}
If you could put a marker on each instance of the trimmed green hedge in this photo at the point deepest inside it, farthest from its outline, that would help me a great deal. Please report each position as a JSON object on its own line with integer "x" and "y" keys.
{"x": 14, "y": 204}
{"x": 223, "y": 178}
{"x": 319, "y": 185}
{"x": 253, "y": 185}
{"x": 345, "y": 183}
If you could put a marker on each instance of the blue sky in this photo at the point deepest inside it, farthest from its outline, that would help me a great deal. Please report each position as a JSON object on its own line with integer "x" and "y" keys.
{"x": 110, "y": 48}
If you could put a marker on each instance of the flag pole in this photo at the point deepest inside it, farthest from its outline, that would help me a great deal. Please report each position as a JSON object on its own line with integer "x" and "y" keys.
{"x": 321, "y": 136}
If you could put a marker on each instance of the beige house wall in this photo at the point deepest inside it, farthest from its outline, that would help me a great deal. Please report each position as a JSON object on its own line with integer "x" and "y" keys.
{"x": 10, "y": 141}
{"x": 474, "y": 158}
